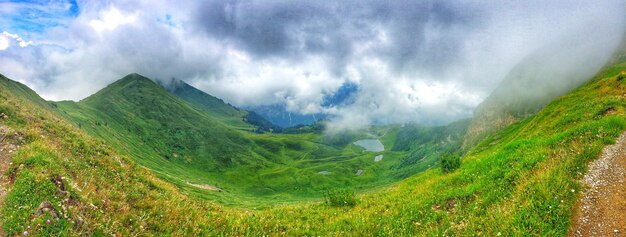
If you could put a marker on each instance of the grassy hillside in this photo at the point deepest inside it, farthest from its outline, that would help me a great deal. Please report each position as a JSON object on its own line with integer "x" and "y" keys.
{"x": 519, "y": 181}
{"x": 195, "y": 149}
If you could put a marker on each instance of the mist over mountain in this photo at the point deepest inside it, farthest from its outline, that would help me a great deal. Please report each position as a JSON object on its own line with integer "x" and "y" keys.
{"x": 430, "y": 62}
{"x": 279, "y": 115}
{"x": 549, "y": 72}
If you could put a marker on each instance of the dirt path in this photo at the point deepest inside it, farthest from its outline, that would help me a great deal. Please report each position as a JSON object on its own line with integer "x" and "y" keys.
{"x": 206, "y": 187}
{"x": 5, "y": 159}
{"x": 7, "y": 148}
{"x": 602, "y": 208}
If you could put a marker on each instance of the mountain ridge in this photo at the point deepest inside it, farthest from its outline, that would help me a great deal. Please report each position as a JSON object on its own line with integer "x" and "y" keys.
{"x": 216, "y": 107}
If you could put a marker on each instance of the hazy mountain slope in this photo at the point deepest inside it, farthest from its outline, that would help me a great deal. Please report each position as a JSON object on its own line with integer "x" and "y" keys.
{"x": 549, "y": 72}
{"x": 217, "y": 108}
{"x": 278, "y": 114}
{"x": 213, "y": 105}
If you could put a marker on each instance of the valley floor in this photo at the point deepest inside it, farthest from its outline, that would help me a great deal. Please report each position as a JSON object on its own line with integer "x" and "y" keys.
{"x": 602, "y": 208}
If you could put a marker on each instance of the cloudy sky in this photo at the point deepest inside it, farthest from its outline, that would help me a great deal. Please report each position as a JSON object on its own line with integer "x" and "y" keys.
{"x": 402, "y": 61}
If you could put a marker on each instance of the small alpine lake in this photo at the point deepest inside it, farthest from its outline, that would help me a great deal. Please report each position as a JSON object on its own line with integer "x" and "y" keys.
{"x": 373, "y": 145}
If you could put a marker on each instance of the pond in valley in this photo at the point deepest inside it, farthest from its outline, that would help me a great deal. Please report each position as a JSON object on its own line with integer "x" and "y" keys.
{"x": 370, "y": 145}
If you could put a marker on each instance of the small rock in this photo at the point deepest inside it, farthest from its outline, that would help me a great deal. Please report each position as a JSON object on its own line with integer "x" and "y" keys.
{"x": 46, "y": 206}
{"x": 79, "y": 221}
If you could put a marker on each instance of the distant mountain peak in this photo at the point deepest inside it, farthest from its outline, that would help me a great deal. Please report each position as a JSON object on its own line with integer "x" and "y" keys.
{"x": 130, "y": 85}
{"x": 133, "y": 77}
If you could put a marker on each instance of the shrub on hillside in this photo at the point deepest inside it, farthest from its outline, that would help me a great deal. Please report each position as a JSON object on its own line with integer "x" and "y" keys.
{"x": 621, "y": 76}
{"x": 340, "y": 198}
{"x": 449, "y": 162}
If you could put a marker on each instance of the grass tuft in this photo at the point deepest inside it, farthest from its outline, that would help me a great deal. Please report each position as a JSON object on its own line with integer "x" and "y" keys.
{"x": 340, "y": 198}
{"x": 449, "y": 162}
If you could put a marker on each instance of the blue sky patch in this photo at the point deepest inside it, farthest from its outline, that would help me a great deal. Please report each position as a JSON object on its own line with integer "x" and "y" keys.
{"x": 343, "y": 95}
{"x": 31, "y": 18}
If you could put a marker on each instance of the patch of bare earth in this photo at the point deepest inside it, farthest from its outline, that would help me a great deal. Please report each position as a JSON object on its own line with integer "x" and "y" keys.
{"x": 7, "y": 149}
{"x": 206, "y": 187}
{"x": 602, "y": 208}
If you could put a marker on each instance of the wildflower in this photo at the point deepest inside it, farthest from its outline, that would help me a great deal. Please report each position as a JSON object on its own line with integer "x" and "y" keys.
{"x": 48, "y": 222}
{"x": 25, "y": 232}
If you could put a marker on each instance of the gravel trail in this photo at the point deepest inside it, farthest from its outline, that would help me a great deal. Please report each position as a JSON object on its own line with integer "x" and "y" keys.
{"x": 602, "y": 209}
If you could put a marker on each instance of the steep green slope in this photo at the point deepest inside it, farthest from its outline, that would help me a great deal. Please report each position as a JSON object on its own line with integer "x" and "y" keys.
{"x": 213, "y": 105}
{"x": 23, "y": 91}
{"x": 217, "y": 108}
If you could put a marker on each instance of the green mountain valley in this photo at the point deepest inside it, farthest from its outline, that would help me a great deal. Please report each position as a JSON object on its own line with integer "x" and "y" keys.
{"x": 191, "y": 147}
{"x": 136, "y": 159}
{"x": 313, "y": 118}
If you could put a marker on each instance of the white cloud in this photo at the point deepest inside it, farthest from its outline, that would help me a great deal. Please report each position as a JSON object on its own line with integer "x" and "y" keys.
{"x": 4, "y": 42}
{"x": 111, "y": 19}
{"x": 21, "y": 42}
